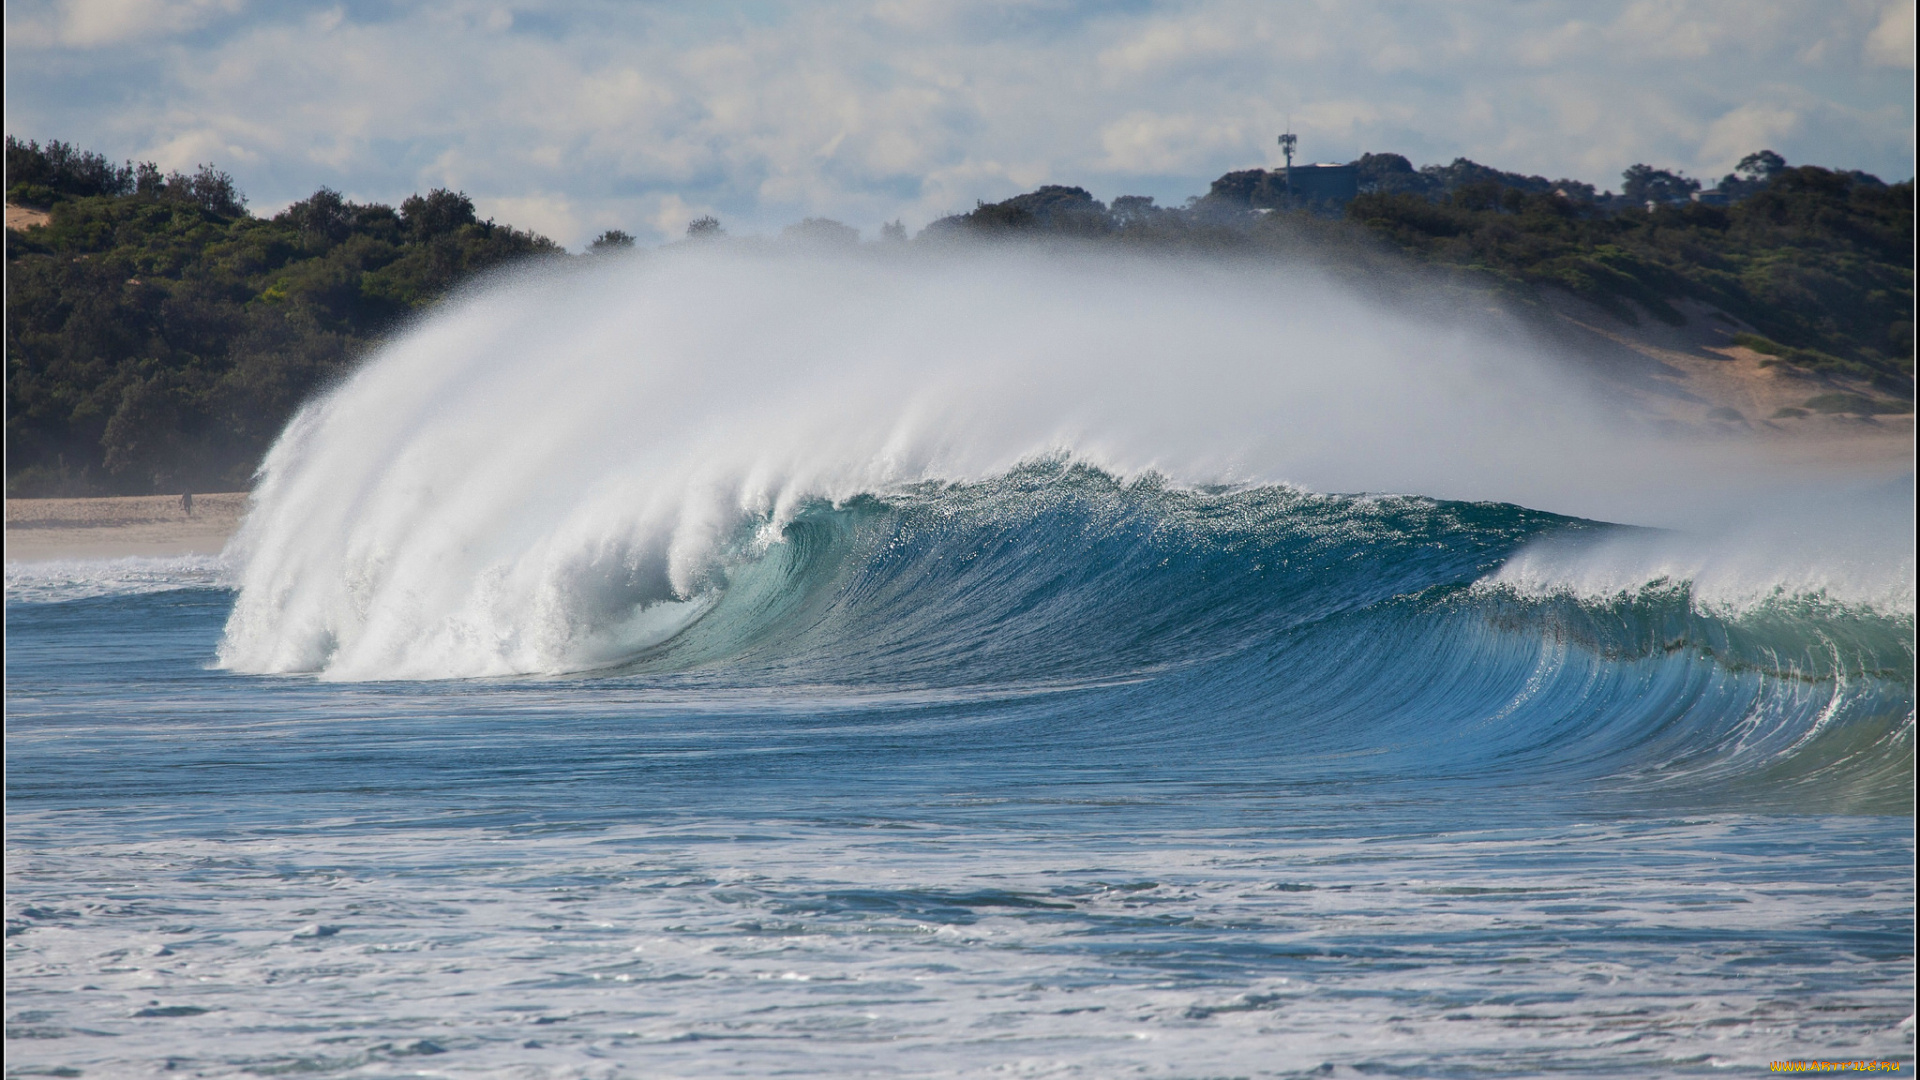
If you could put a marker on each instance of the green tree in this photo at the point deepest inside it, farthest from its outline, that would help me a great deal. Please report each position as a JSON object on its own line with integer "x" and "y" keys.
{"x": 611, "y": 240}
{"x": 1644, "y": 184}
{"x": 39, "y": 176}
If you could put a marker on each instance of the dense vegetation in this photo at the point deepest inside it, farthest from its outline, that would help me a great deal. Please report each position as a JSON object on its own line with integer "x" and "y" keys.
{"x": 1819, "y": 261}
{"x": 158, "y": 336}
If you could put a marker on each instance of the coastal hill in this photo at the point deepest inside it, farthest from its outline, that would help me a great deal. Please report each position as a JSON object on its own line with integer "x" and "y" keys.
{"x": 159, "y": 336}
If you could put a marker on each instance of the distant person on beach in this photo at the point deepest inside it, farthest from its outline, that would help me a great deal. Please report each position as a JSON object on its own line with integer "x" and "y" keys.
{"x": 186, "y": 502}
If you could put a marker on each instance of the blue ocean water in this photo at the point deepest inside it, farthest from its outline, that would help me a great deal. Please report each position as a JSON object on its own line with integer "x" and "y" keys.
{"x": 1050, "y": 774}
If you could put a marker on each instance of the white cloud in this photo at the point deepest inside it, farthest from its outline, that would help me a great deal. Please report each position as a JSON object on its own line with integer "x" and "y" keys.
{"x": 1746, "y": 129}
{"x": 549, "y": 215}
{"x": 1660, "y": 29}
{"x": 1172, "y": 43}
{"x": 192, "y": 148}
{"x": 1555, "y": 43}
{"x": 89, "y": 23}
{"x": 1892, "y": 41}
{"x": 601, "y": 113}
{"x": 1147, "y": 143}
{"x": 672, "y": 214}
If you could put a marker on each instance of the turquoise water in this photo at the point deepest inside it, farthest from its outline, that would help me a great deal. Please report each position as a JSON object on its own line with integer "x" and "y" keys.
{"x": 1052, "y": 774}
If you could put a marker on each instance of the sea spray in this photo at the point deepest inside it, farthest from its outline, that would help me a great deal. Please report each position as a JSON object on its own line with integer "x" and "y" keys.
{"x": 507, "y": 486}
{"x": 561, "y": 471}
{"x": 1850, "y": 545}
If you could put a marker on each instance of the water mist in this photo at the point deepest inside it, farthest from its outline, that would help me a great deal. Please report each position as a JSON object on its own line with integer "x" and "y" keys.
{"x": 554, "y": 470}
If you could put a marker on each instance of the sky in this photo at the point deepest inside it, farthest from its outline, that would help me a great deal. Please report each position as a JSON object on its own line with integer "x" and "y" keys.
{"x": 571, "y": 118}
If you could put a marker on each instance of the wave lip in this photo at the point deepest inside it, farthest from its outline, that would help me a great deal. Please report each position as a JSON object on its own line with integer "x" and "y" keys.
{"x": 1855, "y": 554}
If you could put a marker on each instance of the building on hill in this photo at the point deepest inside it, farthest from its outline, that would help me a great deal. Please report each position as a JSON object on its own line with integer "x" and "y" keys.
{"x": 1310, "y": 185}
{"x": 1325, "y": 182}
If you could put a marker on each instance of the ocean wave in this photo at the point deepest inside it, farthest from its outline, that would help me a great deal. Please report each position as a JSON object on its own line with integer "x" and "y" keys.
{"x": 1341, "y": 632}
{"x": 626, "y": 479}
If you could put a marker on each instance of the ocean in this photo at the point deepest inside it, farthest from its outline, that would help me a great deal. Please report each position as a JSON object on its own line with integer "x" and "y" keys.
{"x": 640, "y": 735}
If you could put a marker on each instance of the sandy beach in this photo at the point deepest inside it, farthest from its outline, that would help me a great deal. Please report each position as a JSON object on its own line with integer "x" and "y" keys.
{"x": 38, "y": 530}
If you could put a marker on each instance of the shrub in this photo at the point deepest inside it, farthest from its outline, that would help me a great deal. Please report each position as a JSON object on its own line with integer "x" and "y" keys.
{"x": 1760, "y": 345}
{"x": 1856, "y": 405}
{"x": 611, "y": 240}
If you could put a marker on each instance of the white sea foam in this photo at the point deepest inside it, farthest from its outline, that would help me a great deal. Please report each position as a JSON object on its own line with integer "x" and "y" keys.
{"x": 60, "y": 580}
{"x": 553, "y": 471}
{"x": 696, "y": 951}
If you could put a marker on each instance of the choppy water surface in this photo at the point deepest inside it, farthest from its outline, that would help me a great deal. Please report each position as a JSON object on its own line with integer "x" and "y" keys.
{"x": 1051, "y": 774}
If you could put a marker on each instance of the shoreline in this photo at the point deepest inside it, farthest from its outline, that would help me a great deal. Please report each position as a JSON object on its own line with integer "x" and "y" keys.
{"x": 118, "y": 527}
{"x": 45, "y": 530}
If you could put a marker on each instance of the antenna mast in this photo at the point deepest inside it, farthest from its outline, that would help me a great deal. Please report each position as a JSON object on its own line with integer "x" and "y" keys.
{"x": 1287, "y": 143}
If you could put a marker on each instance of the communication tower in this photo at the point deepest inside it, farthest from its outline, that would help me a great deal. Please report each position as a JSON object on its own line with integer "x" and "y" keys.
{"x": 1287, "y": 143}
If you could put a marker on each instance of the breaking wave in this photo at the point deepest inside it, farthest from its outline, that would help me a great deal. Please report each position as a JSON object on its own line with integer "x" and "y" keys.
{"x": 1100, "y": 485}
